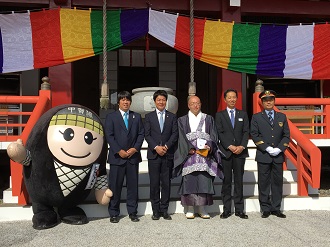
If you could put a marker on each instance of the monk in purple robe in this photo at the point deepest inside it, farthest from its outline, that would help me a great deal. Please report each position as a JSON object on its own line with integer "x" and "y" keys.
{"x": 197, "y": 159}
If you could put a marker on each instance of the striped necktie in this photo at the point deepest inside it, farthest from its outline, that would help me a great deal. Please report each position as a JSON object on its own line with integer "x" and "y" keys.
{"x": 232, "y": 118}
{"x": 270, "y": 117}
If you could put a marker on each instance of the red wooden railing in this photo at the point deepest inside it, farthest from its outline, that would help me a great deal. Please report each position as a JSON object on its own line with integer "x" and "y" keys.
{"x": 304, "y": 154}
{"x": 42, "y": 104}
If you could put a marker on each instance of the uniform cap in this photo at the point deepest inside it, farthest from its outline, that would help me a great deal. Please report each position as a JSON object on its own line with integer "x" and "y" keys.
{"x": 267, "y": 94}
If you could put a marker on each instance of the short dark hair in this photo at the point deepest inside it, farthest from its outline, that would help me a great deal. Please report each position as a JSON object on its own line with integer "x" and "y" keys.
{"x": 230, "y": 90}
{"x": 123, "y": 95}
{"x": 160, "y": 92}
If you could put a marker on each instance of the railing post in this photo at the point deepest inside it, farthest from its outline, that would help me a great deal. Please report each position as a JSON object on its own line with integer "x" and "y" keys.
{"x": 302, "y": 183}
{"x": 18, "y": 187}
{"x": 316, "y": 169}
{"x": 258, "y": 89}
{"x": 326, "y": 121}
{"x": 45, "y": 90}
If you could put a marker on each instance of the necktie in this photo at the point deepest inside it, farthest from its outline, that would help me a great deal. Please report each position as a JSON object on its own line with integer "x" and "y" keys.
{"x": 232, "y": 118}
{"x": 126, "y": 119}
{"x": 270, "y": 118}
{"x": 161, "y": 121}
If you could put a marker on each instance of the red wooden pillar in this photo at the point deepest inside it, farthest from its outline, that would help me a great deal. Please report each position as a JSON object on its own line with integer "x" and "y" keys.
{"x": 61, "y": 79}
{"x": 229, "y": 79}
{"x": 61, "y": 76}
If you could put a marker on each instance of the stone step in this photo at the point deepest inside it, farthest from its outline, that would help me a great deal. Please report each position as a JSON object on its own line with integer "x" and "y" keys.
{"x": 250, "y": 165}
{"x": 14, "y": 212}
{"x": 249, "y": 189}
{"x": 249, "y": 177}
{"x": 250, "y": 186}
{"x": 8, "y": 196}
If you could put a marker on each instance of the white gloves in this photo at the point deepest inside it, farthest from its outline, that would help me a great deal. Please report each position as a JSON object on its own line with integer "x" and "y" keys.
{"x": 273, "y": 151}
{"x": 269, "y": 149}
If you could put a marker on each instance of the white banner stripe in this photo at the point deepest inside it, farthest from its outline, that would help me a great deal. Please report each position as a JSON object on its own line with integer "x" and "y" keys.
{"x": 299, "y": 52}
{"x": 163, "y": 26}
{"x": 17, "y": 42}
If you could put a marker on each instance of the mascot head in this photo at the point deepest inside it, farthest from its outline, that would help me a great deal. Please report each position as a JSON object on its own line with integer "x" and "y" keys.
{"x": 75, "y": 136}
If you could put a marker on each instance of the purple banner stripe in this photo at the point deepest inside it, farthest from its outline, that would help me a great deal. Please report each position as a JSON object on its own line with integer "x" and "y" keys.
{"x": 1, "y": 53}
{"x": 272, "y": 47}
{"x": 134, "y": 24}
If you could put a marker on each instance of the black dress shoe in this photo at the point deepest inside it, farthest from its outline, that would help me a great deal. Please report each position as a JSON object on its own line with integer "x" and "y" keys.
{"x": 134, "y": 218}
{"x": 278, "y": 214}
{"x": 155, "y": 216}
{"x": 225, "y": 215}
{"x": 166, "y": 216}
{"x": 265, "y": 214}
{"x": 241, "y": 215}
{"x": 114, "y": 219}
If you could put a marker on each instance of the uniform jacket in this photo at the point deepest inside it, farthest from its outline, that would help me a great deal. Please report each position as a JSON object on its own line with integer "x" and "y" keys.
{"x": 119, "y": 137}
{"x": 155, "y": 137}
{"x": 237, "y": 136}
{"x": 265, "y": 135}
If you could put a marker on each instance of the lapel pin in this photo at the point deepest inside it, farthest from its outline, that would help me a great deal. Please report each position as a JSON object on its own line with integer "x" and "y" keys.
{"x": 133, "y": 116}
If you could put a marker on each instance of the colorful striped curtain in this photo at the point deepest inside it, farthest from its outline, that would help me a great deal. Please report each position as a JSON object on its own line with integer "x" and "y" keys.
{"x": 283, "y": 51}
{"x": 51, "y": 37}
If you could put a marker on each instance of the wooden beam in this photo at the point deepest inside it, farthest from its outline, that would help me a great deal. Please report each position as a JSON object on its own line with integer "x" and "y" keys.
{"x": 286, "y": 7}
{"x": 178, "y": 5}
{"x": 25, "y": 2}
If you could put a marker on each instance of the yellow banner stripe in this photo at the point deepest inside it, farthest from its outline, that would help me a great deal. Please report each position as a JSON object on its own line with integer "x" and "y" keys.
{"x": 217, "y": 43}
{"x": 76, "y": 34}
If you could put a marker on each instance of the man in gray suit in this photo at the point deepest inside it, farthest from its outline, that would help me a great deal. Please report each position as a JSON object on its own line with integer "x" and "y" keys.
{"x": 233, "y": 130}
{"x": 270, "y": 132}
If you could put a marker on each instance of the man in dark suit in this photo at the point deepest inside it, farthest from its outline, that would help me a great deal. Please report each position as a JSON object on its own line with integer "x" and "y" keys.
{"x": 161, "y": 133}
{"x": 125, "y": 134}
{"x": 270, "y": 133}
{"x": 233, "y": 130}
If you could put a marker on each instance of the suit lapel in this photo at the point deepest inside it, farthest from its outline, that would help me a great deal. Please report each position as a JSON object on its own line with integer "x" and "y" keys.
{"x": 155, "y": 120}
{"x": 166, "y": 120}
{"x": 264, "y": 115}
{"x": 276, "y": 116}
{"x": 226, "y": 115}
{"x": 121, "y": 120}
{"x": 237, "y": 115}
{"x": 130, "y": 120}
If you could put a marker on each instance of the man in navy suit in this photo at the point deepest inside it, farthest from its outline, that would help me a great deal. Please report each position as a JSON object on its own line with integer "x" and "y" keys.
{"x": 125, "y": 134}
{"x": 161, "y": 133}
{"x": 270, "y": 132}
{"x": 233, "y": 130}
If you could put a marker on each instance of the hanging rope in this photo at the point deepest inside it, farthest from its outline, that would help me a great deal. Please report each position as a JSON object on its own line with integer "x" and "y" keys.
{"x": 192, "y": 84}
{"x": 104, "y": 100}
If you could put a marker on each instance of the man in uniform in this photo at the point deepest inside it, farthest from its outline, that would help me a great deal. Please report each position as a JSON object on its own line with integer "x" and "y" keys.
{"x": 270, "y": 133}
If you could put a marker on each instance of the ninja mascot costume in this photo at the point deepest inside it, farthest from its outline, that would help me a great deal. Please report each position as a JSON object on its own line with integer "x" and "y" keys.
{"x": 64, "y": 158}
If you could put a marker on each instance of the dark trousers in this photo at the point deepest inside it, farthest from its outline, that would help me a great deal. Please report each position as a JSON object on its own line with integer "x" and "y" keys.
{"x": 160, "y": 170}
{"x": 116, "y": 179}
{"x": 270, "y": 181}
{"x": 233, "y": 166}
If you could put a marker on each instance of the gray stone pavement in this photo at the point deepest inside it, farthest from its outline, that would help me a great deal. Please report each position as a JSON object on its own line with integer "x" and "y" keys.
{"x": 300, "y": 228}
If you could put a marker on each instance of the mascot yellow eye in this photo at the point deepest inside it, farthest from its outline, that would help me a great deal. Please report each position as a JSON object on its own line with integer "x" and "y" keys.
{"x": 68, "y": 134}
{"x": 89, "y": 138}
